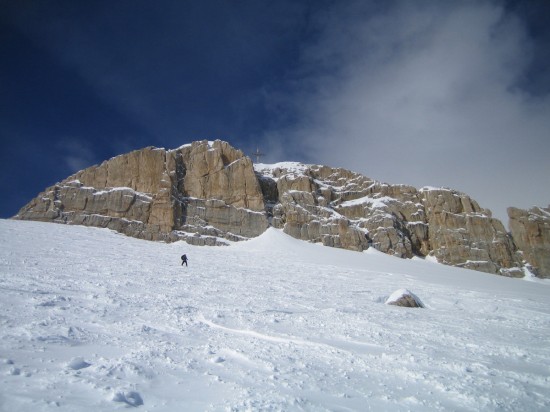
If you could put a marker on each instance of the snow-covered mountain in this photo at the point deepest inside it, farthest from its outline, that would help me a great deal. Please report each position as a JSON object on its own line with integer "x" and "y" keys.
{"x": 205, "y": 192}
{"x": 94, "y": 320}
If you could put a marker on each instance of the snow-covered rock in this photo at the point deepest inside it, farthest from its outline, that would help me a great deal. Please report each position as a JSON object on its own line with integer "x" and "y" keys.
{"x": 78, "y": 363}
{"x": 405, "y": 298}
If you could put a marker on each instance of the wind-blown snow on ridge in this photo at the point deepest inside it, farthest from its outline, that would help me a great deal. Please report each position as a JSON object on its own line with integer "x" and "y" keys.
{"x": 92, "y": 320}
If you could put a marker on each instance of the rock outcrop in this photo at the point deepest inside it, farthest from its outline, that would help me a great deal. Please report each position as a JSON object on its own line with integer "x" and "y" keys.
{"x": 404, "y": 298}
{"x": 209, "y": 192}
{"x": 201, "y": 192}
{"x": 344, "y": 209}
{"x": 531, "y": 233}
{"x": 463, "y": 234}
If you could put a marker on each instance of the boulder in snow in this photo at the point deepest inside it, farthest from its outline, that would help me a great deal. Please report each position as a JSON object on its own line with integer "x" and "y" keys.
{"x": 131, "y": 398}
{"x": 405, "y": 298}
{"x": 78, "y": 363}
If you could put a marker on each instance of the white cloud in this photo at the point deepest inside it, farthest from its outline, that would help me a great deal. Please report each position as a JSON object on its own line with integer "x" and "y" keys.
{"x": 76, "y": 154}
{"x": 424, "y": 93}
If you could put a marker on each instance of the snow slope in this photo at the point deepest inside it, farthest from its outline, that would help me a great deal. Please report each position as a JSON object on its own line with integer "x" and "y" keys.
{"x": 94, "y": 320}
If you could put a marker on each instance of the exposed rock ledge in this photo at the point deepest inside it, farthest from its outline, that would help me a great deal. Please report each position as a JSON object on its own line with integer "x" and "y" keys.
{"x": 531, "y": 232}
{"x": 209, "y": 192}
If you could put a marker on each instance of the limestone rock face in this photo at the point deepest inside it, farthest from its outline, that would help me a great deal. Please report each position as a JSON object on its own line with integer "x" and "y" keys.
{"x": 340, "y": 208}
{"x": 209, "y": 192}
{"x": 199, "y": 192}
{"x": 221, "y": 172}
{"x": 531, "y": 233}
{"x": 304, "y": 210}
{"x": 141, "y": 170}
{"x": 463, "y": 234}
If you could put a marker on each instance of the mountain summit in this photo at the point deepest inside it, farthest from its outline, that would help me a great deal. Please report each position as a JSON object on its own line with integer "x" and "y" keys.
{"x": 208, "y": 192}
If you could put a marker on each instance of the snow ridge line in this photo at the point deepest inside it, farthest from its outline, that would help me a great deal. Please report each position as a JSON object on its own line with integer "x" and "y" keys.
{"x": 254, "y": 334}
{"x": 296, "y": 341}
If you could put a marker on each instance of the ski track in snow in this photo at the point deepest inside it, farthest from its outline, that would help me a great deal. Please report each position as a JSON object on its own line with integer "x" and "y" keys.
{"x": 93, "y": 320}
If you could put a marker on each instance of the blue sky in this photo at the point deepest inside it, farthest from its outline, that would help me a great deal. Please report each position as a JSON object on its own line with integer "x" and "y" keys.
{"x": 433, "y": 93}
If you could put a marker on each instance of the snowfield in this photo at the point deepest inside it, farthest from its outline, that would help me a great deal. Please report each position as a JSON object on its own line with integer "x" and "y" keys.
{"x": 93, "y": 320}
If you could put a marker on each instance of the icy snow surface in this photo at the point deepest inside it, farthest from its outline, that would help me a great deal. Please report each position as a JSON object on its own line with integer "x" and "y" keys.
{"x": 91, "y": 320}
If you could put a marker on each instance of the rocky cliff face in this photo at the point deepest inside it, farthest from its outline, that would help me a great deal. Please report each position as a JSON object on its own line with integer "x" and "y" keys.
{"x": 200, "y": 192}
{"x": 344, "y": 209}
{"x": 205, "y": 192}
{"x": 531, "y": 232}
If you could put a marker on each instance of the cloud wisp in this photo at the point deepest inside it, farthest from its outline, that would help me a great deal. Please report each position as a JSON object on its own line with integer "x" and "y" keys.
{"x": 424, "y": 93}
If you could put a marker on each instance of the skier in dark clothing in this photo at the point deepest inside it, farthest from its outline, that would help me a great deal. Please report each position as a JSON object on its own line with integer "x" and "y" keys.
{"x": 184, "y": 260}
